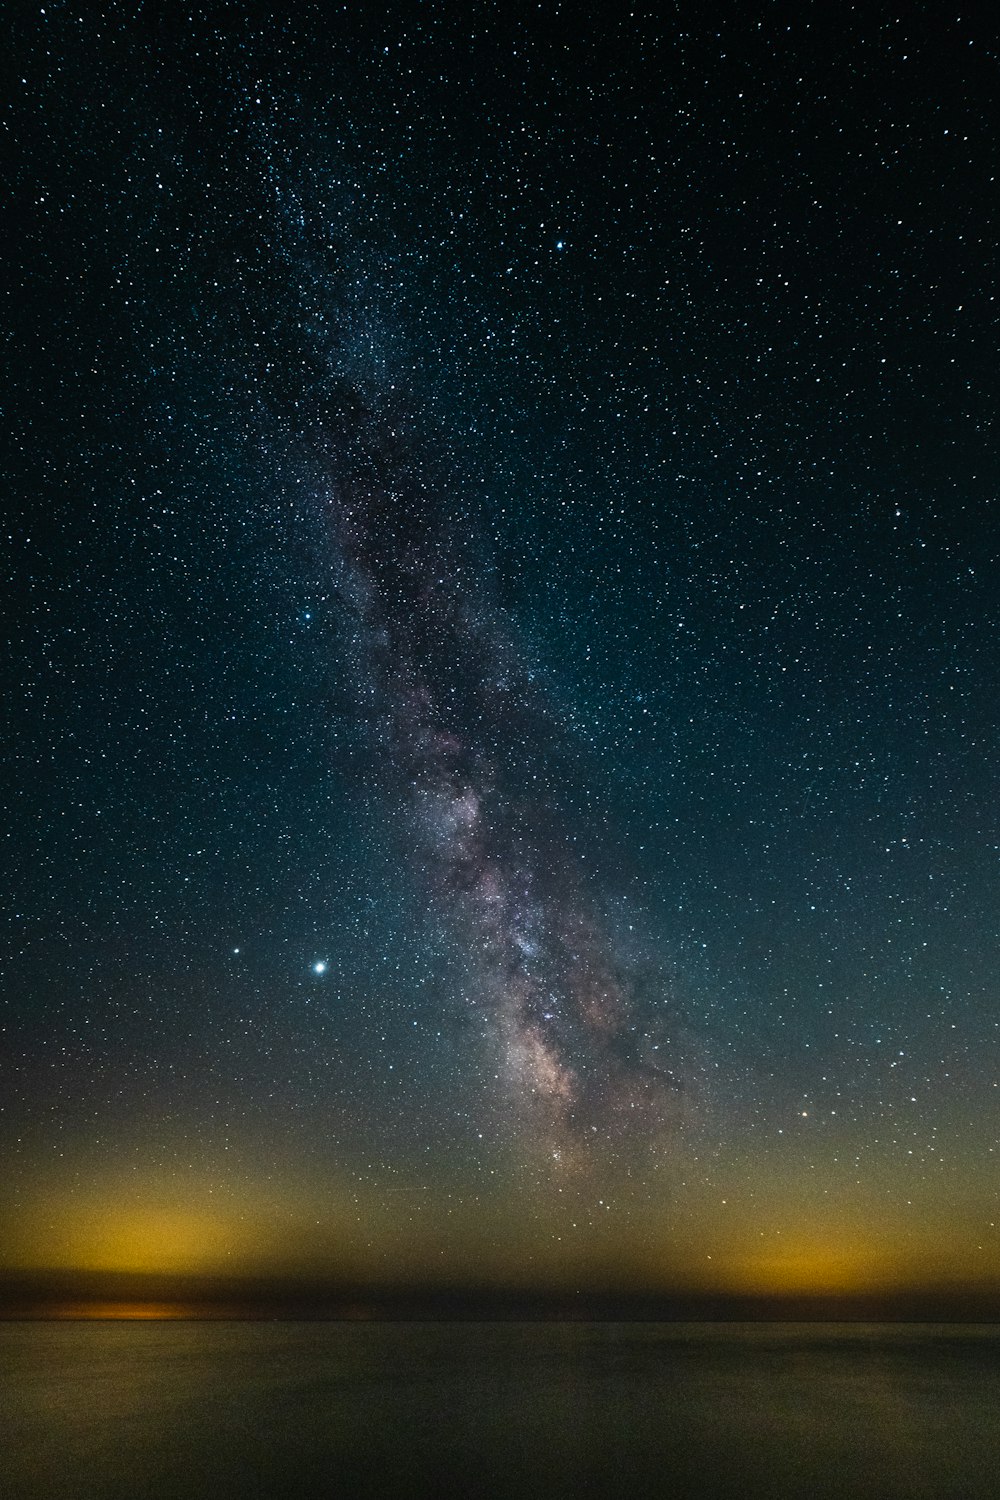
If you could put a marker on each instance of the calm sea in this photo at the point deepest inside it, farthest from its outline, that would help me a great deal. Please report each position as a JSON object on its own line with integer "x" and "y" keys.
{"x": 178, "y": 1410}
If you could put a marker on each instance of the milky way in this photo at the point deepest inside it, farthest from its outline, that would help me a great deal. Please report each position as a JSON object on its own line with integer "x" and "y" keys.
{"x": 465, "y": 746}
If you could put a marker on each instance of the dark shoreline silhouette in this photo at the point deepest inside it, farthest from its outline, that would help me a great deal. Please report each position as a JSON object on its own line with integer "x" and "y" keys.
{"x": 69, "y": 1294}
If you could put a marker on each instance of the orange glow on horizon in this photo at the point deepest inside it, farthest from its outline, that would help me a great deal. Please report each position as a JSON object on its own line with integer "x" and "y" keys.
{"x": 152, "y": 1239}
{"x": 815, "y": 1268}
{"x": 122, "y": 1312}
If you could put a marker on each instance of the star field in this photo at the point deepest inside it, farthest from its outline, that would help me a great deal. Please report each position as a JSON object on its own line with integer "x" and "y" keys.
{"x": 501, "y": 659}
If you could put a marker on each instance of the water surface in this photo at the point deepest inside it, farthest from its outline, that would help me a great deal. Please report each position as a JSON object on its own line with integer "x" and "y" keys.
{"x": 171, "y": 1411}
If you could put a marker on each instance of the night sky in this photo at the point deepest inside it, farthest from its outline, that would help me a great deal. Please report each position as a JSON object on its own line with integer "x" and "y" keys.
{"x": 501, "y": 675}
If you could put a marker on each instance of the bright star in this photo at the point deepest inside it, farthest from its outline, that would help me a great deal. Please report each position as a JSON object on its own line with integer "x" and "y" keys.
{"x": 319, "y": 967}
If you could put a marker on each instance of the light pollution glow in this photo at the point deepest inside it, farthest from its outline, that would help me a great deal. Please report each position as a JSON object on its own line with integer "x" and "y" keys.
{"x": 791, "y": 1240}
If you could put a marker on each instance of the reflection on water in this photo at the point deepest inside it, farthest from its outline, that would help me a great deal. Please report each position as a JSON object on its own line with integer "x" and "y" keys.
{"x": 172, "y": 1410}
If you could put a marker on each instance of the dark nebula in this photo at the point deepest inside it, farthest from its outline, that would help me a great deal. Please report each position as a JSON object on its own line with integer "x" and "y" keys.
{"x": 467, "y": 753}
